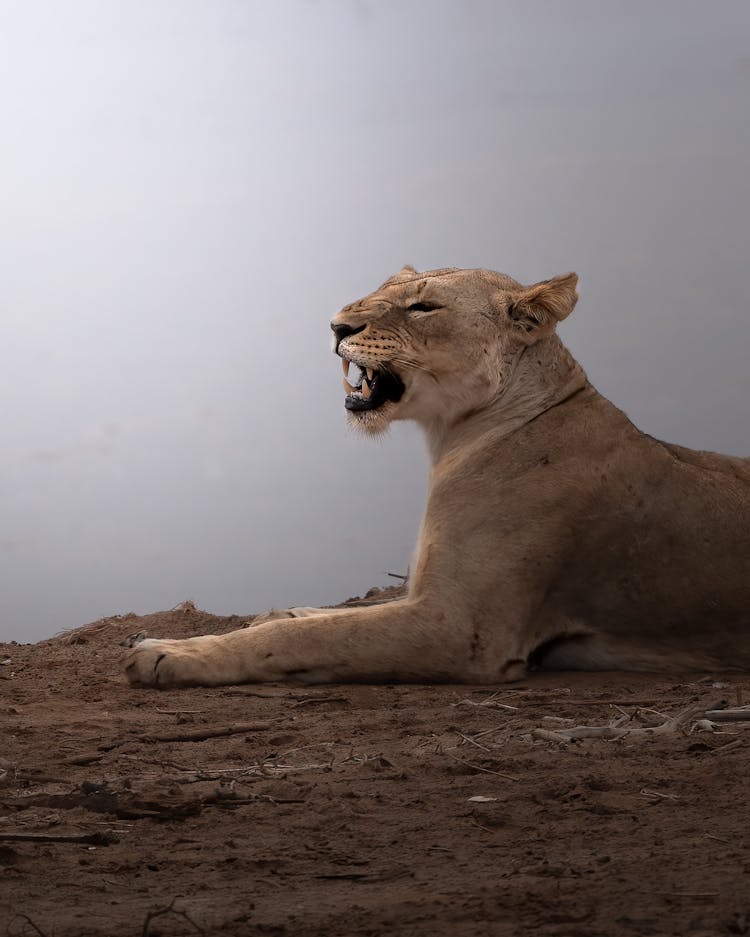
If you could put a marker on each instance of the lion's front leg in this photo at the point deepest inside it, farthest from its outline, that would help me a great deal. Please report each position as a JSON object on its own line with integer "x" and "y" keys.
{"x": 299, "y": 611}
{"x": 189, "y": 662}
{"x": 400, "y": 641}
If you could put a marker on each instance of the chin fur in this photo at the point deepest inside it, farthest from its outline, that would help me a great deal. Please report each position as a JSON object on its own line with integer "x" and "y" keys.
{"x": 371, "y": 423}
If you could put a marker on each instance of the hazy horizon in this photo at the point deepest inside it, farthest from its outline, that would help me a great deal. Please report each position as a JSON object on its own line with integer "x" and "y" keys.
{"x": 190, "y": 191}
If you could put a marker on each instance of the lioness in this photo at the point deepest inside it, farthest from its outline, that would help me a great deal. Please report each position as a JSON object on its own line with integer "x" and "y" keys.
{"x": 556, "y": 534}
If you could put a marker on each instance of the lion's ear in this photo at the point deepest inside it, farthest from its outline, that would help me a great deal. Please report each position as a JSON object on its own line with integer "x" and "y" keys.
{"x": 405, "y": 273}
{"x": 535, "y": 312}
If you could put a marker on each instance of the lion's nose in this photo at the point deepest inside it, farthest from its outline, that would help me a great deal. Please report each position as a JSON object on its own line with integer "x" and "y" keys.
{"x": 344, "y": 330}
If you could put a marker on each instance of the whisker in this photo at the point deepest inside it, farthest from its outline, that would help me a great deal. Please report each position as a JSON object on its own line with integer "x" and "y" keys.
{"x": 414, "y": 365}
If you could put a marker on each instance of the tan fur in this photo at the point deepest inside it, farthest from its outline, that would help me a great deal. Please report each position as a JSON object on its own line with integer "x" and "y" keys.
{"x": 555, "y": 532}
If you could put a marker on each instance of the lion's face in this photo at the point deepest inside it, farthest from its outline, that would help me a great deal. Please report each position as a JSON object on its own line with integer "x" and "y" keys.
{"x": 431, "y": 346}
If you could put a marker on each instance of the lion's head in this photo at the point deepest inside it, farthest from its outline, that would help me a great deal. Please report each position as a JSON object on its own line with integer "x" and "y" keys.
{"x": 431, "y": 346}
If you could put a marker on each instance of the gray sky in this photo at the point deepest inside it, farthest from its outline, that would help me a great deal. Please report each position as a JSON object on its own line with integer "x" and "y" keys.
{"x": 190, "y": 190}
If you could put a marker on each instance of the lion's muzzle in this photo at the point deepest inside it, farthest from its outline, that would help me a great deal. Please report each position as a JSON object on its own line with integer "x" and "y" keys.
{"x": 372, "y": 387}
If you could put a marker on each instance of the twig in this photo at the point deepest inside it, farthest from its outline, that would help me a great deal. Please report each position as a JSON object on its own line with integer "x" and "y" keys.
{"x": 647, "y": 792}
{"x": 679, "y": 721}
{"x": 582, "y": 732}
{"x": 617, "y": 729}
{"x": 547, "y": 735}
{"x": 481, "y": 735}
{"x": 485, "y": 828}
{"x": 738, "y": 714}
{"x": 243, "y": 691}
{"x": 471, "y": 741}
{"x": 700, "y": 895}
{"x": 251, "y": 801}
{"x": 180, "y": 712}
{"x": 654, "y": 712}
{"x": 507, "y": 777}
{"x": 725, "y": 748}
{"x": 567, "y": 701}
{"x": 304, "y": 748}
{"x": 170, "y": 909}
{"x": 25, "y": 917}
{"x": 85, "y": 759}
{"x": 718, "y": 839}
{"x": 311, "y": 700}
{"x": 400, "y": 576}
{"x": 489, "y": 703}
{"x": 92, "y": 839}
{"x": 200, "y": 735}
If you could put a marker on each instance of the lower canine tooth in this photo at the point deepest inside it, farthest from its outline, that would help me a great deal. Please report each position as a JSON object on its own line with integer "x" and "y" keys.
{"x": 366, "y": 390}
{"x": 348, "y": 387}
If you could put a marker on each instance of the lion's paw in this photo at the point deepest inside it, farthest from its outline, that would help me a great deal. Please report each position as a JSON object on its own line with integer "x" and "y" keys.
{"x": 164, "y": 663}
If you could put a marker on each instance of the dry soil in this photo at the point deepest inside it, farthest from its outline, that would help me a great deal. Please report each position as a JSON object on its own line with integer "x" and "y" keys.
{"x": 361, "y": 810}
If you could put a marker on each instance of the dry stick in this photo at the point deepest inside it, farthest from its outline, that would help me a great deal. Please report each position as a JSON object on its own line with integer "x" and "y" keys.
{"x": 739, "y": 714}
{"x": 251, "y": 801}
{"x": 86, "y": 759}
{"x": 28, "y": 920}
{"x": 578, "y": 732}
{"x": 701, "y": 895}
{"x": 674, "y": 722}
{"x": 613, "y": 731}
{"x": 726, "y": 748}
{"x": 647, "y": 792}
{"x": 616, "y": 729}
{"x": 568, "y": 701}
{"x": 241, "y": 691}
{"x": 200, "y": 735}
{"x": 488, "y": 704}
{"x": 479, "y": 825}
{"x": 642, "y": 712}
{"x": 547, "y": 735}
{"x": 311, "y": 700}
{"x": 718, "y": 839}
{"x": 170, "y": 909}
{"x": 180, "y": 712}
{"x": 196, "y": 735}
{"x": 304, "y": 748}
{"x": 507, "y": 777}
{"x": 471, "y": 741}
{"x": 484, "y": 732}
{"x": 92, "y": 839}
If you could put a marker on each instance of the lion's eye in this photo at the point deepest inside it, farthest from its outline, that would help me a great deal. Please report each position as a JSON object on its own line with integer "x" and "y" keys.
{"x": 423, "y": 307}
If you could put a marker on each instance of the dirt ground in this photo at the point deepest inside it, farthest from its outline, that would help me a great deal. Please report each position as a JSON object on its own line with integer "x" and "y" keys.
{"x": 362, "y": 810}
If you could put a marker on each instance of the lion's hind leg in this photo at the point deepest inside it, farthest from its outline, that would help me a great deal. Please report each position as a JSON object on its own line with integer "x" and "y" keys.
{"x": 595, "y": 651}
{"x": 575, "y": 652}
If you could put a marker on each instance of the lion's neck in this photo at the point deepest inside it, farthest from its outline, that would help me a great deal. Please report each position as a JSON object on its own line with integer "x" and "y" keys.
{"x": 541, "y": 376}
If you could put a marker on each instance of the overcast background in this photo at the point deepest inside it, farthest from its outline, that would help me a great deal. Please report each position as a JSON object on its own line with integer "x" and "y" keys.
{"x": 190, "y": 189}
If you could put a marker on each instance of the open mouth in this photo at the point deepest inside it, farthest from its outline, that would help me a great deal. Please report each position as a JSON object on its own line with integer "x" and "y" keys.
{"x": 372, "y": 388}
